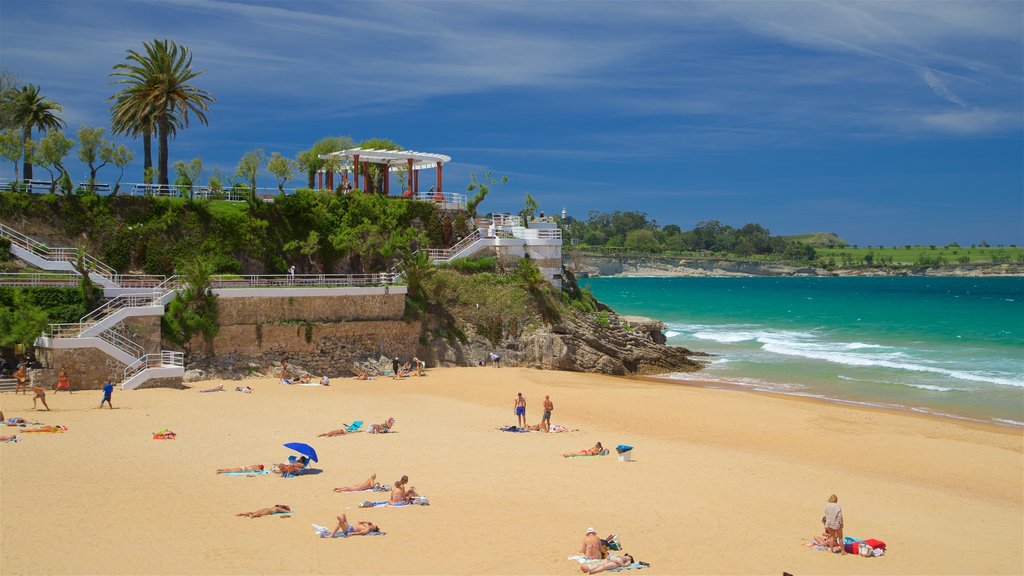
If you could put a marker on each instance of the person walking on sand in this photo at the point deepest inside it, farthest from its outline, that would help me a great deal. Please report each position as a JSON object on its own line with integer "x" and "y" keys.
{"x": 834, "y": 524}
{"x": 62, "y": 382}
{"x": 108, "y": 389}
{"x": 361, "y": 528}
{"x": 545, "y": 421}
{"x": 520, "y": 410}
{"x": 276, "y": 509}
{"x": 40, "y": 395}
{"x": 395, "y": 365}
{"x": 591, "y": 547}
{"x": 21, "y": 376}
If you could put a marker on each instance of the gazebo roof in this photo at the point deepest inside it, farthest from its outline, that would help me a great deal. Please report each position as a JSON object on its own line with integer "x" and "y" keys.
{"x": 394, "y": 159}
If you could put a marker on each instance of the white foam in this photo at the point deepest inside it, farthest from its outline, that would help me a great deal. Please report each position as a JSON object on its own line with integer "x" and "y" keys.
{"x": 921, "y": 386}
{"x": 671, "y": 334}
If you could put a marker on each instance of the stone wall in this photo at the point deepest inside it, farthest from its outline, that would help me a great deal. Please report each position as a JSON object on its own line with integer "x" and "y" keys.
{"x": 88, "y": 368}
{"x": 144, "y": 331}
{"x": 252, "y": 310}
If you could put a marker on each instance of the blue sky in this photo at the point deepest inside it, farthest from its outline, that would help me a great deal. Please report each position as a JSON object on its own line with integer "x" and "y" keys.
{"x": 885, "y": 122}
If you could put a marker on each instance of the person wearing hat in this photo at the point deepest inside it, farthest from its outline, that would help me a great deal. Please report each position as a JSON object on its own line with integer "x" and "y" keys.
{"x": 591, "y": 545}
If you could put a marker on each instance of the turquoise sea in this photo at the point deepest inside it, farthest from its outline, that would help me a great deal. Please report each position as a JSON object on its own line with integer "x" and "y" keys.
{"x": 950, "y": 346}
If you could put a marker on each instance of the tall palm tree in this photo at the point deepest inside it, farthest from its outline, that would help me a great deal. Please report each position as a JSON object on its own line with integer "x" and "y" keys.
{"x": 157, "y": 94}
{"x": 30, "y": 111}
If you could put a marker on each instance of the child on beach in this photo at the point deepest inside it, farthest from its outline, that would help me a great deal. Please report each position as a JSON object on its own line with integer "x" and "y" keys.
{"x": 40, "y": 395}
{"x": 62, "y": 382}
{"x": 108, "y": 389}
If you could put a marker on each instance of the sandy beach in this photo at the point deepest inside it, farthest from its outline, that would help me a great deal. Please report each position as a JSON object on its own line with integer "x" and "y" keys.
{"x": 723, "y": 482}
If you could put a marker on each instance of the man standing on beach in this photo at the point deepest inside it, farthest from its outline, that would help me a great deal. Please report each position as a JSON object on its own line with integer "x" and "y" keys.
{"x": 108, "y": 389}
{"x": 520, "y": 409}
{"x": 395, "y": 364}
{"x": 545, "y": 422}
{"x": 20, "y": 376}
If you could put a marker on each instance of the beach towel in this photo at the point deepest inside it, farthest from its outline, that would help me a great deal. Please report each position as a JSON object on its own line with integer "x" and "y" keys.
{"x": 417, "y": 501}
{"x": 47, "y": 429}
{"x": 377, "y": 488}
{"x": 325, "y": 532}
{"x": 212, "y": 390}
{"x": 164, "y": 434}
{"x": 13, "y": 422}
{"x": 12, "y": 439}
{"x": 511, "y": 428}
{"x": 253, "y": 473}
{"x": 636, "y": 565}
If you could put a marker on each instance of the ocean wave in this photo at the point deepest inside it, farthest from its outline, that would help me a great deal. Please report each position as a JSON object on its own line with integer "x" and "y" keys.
{"x": 671, "y": 334}
{"x": 919, "y": 386}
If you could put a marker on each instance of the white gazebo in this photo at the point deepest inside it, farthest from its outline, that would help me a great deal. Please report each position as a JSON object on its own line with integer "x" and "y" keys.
{"x": 358, "y": 159}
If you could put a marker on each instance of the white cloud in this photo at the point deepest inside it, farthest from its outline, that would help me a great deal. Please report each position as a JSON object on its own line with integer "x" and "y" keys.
{"x": 973, "y": 122}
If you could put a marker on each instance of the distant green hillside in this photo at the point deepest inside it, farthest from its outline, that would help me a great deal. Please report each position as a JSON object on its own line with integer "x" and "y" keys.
{"x": 828, "y": 239}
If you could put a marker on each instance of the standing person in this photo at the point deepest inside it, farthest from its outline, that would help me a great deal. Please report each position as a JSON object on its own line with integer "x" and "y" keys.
{"x": 40, "y": 395}
{"x": 545, "y": 421}
{"x": 62, "y": 382}
{"x": 834, "y": 524}
{"x": 291, "y": 274}
{"x": 21, "y": 376}
{"x": 284, "y": 371}
{"x": 108, "y": 389}
{"x": 520, "y": 409}
{"x": 395, "y": 365}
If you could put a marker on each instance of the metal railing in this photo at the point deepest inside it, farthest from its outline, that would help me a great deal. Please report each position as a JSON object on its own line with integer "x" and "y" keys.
{"x": 121, "y": 342}
{"x": 163, "y": 359}
{"x": 441, "y": 197}
{"x": 303, "y": 280}
{"x": 449, "y": 253}
{"x": 38, "y": 279}
{"x": 53, "y": 254}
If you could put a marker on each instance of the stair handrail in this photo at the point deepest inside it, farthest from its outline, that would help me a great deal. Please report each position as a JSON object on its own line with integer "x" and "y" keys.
{"x": 122, "y": 343}
{"x": 117, "y": 303}
{"x": 56, "y": 254}
{"x": 165, "y": 358}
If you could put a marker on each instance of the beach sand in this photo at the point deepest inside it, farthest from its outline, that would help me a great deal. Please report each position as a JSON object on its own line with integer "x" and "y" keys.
{"x": 723, "y": 482}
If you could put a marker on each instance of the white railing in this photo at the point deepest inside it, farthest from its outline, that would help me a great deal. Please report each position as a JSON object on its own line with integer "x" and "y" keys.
{"x": 75, "y": 329}
{"x": 449, "y": 253}
{"x": 202, "y": 192}
{"x": 122, "y": 343}
{"x": 302, "y": 280}
{"x": 53, "y": 254}
{"x": 537, "y": 233}
{"x": 38, "y": 279}
{"x": 165, "y": 358}
{"x": 441, "y": 197}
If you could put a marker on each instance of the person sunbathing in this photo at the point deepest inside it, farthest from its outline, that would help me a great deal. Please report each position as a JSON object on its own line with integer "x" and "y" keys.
{"x": 400, "y": 495}
{"x": 11, "y": 438}
{"x": 596, "y": 450}
{"x": 609, "y": 564}
{"x": 363, "y": 376}
{"x": 291, "y": 468}
{"x": 57, "y": 428}
{"x": 370, "y": 483}
{"x": 305, "y": 379}
{"x": 277, "y": 509}
{"x": 383, "y": 428}
{"x": 333, "y": 433}
{"x": 214, "y": 389}
{"x": 253, "y": 468}
{"x": 246, "y": 389}
{"x": 361, "y": 528}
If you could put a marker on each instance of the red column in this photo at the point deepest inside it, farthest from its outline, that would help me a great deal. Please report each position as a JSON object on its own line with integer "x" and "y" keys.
{"x": 416, "y": 181}
{"x": 366, "y": 176}
{"x": 319, "y": 180}
{"x": 387, "y": 179}
{"x": 330, "y": 181}
{"x": 355, "y": 170}
{"x": 410, "y": 177}
{"x": 439, "y": 177}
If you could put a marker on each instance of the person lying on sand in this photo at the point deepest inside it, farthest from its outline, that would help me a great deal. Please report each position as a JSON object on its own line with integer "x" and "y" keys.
{"x": 363, "y": 376}
{"x": 278, "y": 508}
{"x": 12, "y": 437}
{"x": 333, "y": 433}
{"x": 252, "y": 468}
{"x": 597, "y": 449}
{"x": 609, "y": 564}
{"x": 214, "y": 389}
{"x": 370, "y": 482}
{"x": 246, "y": 389}
{"x": 292, "y": 468}
{"x": 305, "y": 379}
{"x": 383, "y": 428}
{"x": 45, "y": 429}
{"x": 361, "y": 528}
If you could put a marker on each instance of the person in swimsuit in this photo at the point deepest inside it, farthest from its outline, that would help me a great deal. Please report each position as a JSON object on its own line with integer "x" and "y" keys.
{"x": 219, "y": 388}
{"x": 333, "y": 433}
{"x": 545, "y": 421}
{"x": 597, "y": 449}
{"x": 57, "y": 428}
{"x": 400, "y": 495}
{"x": 370, "y": 482}
{"x": 20, "y": 375}
{"x": 520, "y": 410}
{"x": 62, "y": 382}
{"x": 253, "y": 468}
{"x": 361, "y": 528}
{"x": 383, "y": 428}
{"x": 293, "y": 468}
{"x": 591, "y": 547}
{"x": 609, "y": 564}
{"x": 277, "y": 509}
{"x": 40, "y": 395}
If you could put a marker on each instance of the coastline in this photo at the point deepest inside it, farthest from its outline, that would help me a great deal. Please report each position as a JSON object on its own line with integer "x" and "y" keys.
{"x": 767, "y": 460}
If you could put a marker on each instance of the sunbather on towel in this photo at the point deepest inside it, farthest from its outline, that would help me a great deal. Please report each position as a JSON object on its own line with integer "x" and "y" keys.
{"x": 597, "y": 449}
{"x": 383, "y": 428}
{"x": 214, "y": 389}
{"x": 363, "y": 376}
{"x": 360, "y": 528}
{"x": 253, "y": 468}
{"x": 278, "y": 508}
{"x": 246, "y": 389}
{"x": 11, "y": 438}
{"x": 333, "y": 433}
{"x": 45, "y": 429}
{"x": 616, "y": 562}
{"x": 290, "y": 469}
{"x": 400, "y": 495}
{"x": 370, "y": 482}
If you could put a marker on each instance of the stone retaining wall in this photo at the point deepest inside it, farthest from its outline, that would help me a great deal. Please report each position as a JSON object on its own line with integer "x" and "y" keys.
{"x": 88, "y": 368}
{"x": 249, "y": 310}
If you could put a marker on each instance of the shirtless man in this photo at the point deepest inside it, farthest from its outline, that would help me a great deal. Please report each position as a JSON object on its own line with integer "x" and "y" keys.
{"x": 370, "y": 482}
{"x": 252, "y": 468}
{"x": 618, "y": 562}
{"x": 277, "y": 509}
{"x": 597, "y": 449}
{"x": 40, "y": 395}
{"x": 591, "y": 547}
{"x": 360, "y": 529}
{"x": 21, "y": 376}
{"x": 545, "y": 420}
{"x": 520, "y": 410}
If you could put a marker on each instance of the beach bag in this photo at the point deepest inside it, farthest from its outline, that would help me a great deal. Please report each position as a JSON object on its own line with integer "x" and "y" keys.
{"x": 875, "y": 543}
{"x": 865, "y": 550}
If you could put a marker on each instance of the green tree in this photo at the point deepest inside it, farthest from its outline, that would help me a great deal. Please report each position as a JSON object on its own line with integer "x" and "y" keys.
{"x": 529, "y": 208}
{"x": 309, "y": 161}
{"x": 642, "y": 240}
{"x": 50, "y": 154}
{"x": 92, "y": 148}
{"x": 9, "y": 82}
{"x": 31, "y": 111}
{"x": 418, "y": 268}
{"x": 194, "y": 309}
{"x": 308, "y": 248}
{"x": 121, "y": 156}
{"x": 91, "y": 293}
{"x": 12, "y": 148}
{"x": 248, "y": 169}
{"x": 482, "y": 187}
{"x": 161, "y": 77}
{"x": 187, "y": 174}
{"x": 23, "y": 321}
{"x": 374, "y": 230}
{"x": 282, "y": 169}
{"x": 376, "y": 172}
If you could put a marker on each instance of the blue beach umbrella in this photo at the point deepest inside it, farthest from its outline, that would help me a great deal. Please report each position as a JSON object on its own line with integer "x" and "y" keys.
{"x": 304, "y": 449}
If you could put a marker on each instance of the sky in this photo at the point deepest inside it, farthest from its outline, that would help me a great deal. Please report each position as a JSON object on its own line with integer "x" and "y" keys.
{"x": 885, "y": 122}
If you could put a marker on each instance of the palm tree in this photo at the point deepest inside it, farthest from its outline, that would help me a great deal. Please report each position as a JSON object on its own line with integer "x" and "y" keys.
{"x": 157, "y": 95}
{"x": 30, "y": 111}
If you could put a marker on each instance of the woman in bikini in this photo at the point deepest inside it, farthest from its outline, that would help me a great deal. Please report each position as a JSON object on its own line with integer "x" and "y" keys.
{"x": 62, "y": 382}
{"x": 597, "y": 449}
{"x": 293, "y": 468}
{"x": 609, "y": 564}
{"x": 253, "y": 468}
{"x": 400, "y": 495}
{"x": 591, "y": 547}
{"x": 371, "y": 482}
{"x": 277, "y": 509}
{"x": 383, "y": 428}
{"x": 361, "y": 528}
